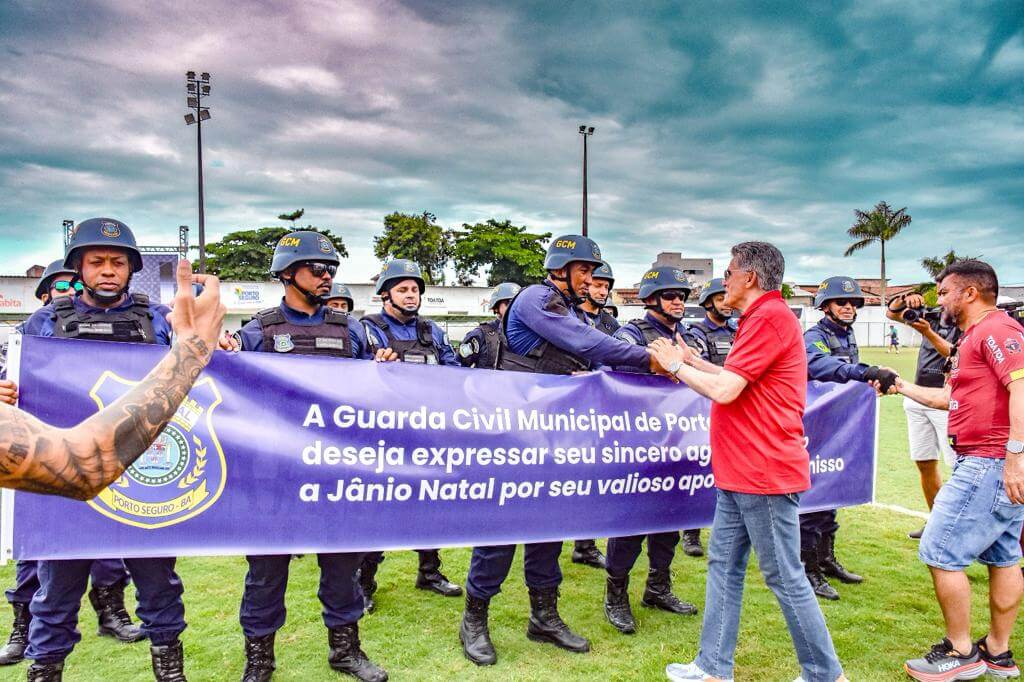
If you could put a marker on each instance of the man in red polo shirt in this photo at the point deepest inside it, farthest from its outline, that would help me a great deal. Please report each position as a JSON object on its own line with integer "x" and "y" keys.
{"x": 760, "y": 465}
{"x": 978, "y": 513}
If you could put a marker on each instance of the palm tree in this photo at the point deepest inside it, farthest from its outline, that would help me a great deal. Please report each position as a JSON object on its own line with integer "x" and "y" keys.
{"x": 880, "y": 225}
{"x": 936, "y": 265}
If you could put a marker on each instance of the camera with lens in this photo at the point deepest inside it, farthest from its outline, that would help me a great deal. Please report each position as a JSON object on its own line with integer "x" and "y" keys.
{"x": 912, "y": 315}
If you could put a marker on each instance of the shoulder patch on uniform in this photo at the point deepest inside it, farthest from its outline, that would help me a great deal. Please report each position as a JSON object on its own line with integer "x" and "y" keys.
{"x": 823, "y": 347}
{"x": 556, "y": 304}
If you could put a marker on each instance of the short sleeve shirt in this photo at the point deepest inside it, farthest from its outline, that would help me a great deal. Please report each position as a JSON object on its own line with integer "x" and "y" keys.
{"x": 989, "y": 356}
{"x": 757, "y": 441}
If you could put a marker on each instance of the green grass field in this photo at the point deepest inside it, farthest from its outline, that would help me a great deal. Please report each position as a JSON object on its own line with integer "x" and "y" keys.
{"x": 892, "y": 616}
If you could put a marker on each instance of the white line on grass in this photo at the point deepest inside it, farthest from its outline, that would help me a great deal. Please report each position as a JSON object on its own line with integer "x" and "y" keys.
{"x": 900, "y": 510}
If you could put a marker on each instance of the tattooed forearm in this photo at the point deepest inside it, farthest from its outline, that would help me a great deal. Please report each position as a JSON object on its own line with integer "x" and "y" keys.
{"x": 81, "y": 461}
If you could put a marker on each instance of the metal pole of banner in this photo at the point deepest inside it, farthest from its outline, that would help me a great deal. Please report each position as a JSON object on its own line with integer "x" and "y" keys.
{"x": 7, "y": 495}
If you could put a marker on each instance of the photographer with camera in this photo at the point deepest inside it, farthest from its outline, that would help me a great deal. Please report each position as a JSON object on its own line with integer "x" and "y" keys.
{"x": 926, "y": 426}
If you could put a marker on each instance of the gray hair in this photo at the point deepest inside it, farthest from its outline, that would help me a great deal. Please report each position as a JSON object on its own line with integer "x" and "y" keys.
{"x": 764, "y": 260}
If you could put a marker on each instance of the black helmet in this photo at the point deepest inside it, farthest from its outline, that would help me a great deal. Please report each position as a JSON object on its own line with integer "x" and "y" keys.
{"x": 715, "y": 286}
{"x": 339, "y": 290}
{"x": 396, "y": 271}
{"x": 572, "y": 248}
{"x": 604, "y": 271}
{"x": 505, "y": 291}
{"x": 52, "y": 270}
{"x": 304, "y": 245}
{"x": 663, "y": 279}
{"x": 102, "y": 232}
{"x": 839, "y": 287}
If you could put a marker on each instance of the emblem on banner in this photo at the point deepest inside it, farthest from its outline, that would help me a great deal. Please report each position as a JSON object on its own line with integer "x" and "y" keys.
{"x": 183, "y": 472}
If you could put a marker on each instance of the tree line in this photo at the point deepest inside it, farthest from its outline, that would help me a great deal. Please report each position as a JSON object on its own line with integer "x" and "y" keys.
{"x": 505, "y": 251}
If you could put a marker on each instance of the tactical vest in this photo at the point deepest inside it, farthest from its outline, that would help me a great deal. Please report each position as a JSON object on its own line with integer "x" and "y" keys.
{"x": 716, "y": 342}
{"x": 420, "y": 350}
{"x": 850, "y": 354}
{"x": 329, "y": 338}
{"x": 546, "y": 358}
{"x": 604, "y": 322}
{"x": 647, "y": 330}
{"x": 494, "y": 344}
{"x": 130, "y": 325}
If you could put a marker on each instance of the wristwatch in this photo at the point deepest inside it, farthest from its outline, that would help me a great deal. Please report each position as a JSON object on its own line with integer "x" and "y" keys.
{"x": 1014, "y": 447}
{"x": 675, "y": 365}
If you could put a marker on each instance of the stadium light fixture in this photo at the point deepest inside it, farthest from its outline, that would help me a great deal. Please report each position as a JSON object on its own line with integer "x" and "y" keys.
{"x": 196, "y": 89}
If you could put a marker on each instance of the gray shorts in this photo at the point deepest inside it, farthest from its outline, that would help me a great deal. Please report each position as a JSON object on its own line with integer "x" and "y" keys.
{"x": 927, "y": 431}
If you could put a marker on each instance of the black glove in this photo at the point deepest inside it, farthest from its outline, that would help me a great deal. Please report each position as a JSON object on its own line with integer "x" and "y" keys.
{"x": 886, "y": 378}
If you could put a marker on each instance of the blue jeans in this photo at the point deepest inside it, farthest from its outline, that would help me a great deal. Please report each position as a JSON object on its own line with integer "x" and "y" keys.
{"x": 973, "y": 519}
{"x": 771, "y": 525}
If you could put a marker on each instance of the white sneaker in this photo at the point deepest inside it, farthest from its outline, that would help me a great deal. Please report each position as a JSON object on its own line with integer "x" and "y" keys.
{"x": 684, "y": 672}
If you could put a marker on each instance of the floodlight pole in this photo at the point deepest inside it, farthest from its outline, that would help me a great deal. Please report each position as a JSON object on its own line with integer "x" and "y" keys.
{"x": 196, "y": 89}
{"x": 586, "y": 131}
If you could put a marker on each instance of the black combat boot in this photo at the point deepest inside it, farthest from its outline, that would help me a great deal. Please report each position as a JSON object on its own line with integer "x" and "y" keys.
{"x": 474, "y": 633}
{"x": 14, "y": 651}
{"x": 259, "y": 659}
{"x": 430, "y": 576}
{"x": 168, "y": 662}
{"x": 367, "y": 581}
{"x": 818, "y": 582}
{"x": 586, "y": 552}
{"x": 616, "y": 605}
{"x": 346, "y": 656}
{"x": 50, "y": 672}
{"x": 830, "y": 565}
{"x": 547, "y": 626}
{"x": 113, "y": 617}
{"x": 691, "y": 543}
{"x": 658, "y": 594}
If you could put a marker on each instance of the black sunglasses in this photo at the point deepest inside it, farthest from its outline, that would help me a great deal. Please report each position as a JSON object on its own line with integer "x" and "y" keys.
{"x": 672, "y": 296}
{"x": 65, "y": 285}
{"x": 318, "y": 269}
{"x": 843, "y": 302}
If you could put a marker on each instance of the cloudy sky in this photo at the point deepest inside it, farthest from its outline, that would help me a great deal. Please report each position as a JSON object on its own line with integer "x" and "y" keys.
{"x": 716, "y": 122}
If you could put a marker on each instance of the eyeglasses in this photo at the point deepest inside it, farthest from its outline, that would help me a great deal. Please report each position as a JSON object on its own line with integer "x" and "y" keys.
{"x": 318, "y": 269}
{"x": 843, "y": 302}
{"x": 729, "y": 273}
{"x": 672, "y": 296}
{"x": 64, "y": 286}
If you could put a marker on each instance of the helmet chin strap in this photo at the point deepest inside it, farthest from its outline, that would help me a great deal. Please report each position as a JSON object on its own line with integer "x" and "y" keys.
{"x": 408, "y": 313}
{"x": 574, "y": 298}
{"x": 313, "y": 298}
{"x": 657, "y": 307}
{"x": 834, "y": 318}
{"x": 596, "y": 303}
{"x": 106, "y": 298}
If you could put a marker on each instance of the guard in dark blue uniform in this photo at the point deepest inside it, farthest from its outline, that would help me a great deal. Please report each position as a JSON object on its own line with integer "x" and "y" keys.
{"x": 108, "y": 576}
{"x": 714, "y": 336}
{"x": 481, "y": 347}
{"x": 400, "y": 328}
{"x": 340, "y": 298}
{"x": 305, "y": 262}
{"x": 547, "y": 334}
{"x": 102, "y": 252}
{"x": 664, "y": 291}
{"x": 832, "y": 355}
{"x": 595, "y": 306}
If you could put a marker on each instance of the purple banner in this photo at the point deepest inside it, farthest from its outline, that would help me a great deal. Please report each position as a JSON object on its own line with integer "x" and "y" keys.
{"x": 273, "y": 454}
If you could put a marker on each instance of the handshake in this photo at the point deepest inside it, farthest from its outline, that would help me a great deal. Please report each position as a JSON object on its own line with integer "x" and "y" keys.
{"x": 883, "y": 380}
